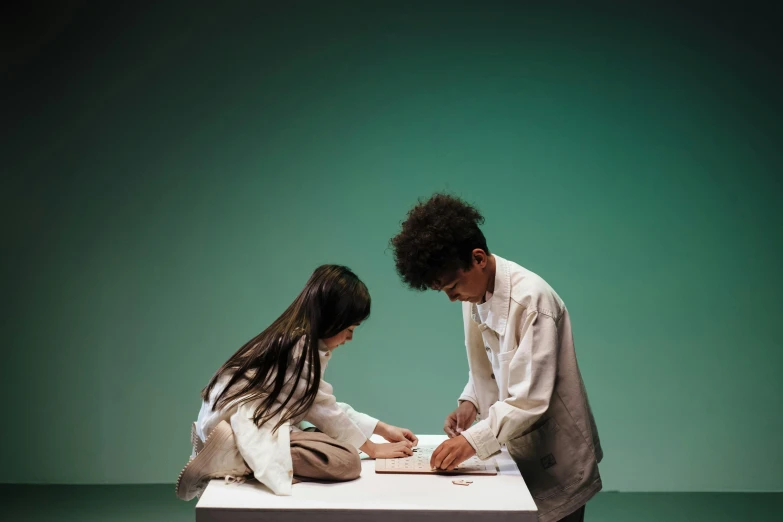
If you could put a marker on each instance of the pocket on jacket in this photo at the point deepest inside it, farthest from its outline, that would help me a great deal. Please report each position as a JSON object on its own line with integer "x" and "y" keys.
{"x": 505, "y": 357}
{"x": 549, "y": 459}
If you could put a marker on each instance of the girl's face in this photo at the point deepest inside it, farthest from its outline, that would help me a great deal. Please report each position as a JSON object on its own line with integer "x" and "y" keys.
{"x": 341, "y": 338}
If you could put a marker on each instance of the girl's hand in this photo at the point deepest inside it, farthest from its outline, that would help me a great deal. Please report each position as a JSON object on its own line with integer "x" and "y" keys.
{"x": 395, "y": 434}
{"x": 391, "y": 450}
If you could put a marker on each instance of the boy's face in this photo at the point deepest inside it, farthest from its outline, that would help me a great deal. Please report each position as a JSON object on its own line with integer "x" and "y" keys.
{"x": 467, "y": 285}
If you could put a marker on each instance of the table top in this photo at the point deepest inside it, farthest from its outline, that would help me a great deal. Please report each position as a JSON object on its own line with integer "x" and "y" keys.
{"x": 373, "y": 492}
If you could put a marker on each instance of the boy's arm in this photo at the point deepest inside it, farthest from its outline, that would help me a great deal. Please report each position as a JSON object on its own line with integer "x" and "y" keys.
{"x": 531, "y": 376}
{"x": 469, "y": 393}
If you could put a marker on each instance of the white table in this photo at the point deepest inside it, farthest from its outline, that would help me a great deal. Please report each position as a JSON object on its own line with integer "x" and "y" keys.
{"x": 378, "y": 498}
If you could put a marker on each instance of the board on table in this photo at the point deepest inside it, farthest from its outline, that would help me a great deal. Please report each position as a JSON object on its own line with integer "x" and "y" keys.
{"x": 420, "y": 463}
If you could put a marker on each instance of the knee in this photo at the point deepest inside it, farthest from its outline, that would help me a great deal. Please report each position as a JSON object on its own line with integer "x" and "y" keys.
{"x": 347, "y": 464}
{"x": 325, "y": 459}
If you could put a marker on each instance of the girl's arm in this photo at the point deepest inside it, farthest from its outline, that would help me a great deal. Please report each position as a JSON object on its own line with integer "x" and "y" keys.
{"x": 370, "y": 425}
{"x": 328, "y": 417}
{"x": 331, "y": 419}
{"x": 363, "y": 421}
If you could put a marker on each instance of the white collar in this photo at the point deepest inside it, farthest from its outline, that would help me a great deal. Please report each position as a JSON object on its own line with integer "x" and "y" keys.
{"x": 500, "y": 303}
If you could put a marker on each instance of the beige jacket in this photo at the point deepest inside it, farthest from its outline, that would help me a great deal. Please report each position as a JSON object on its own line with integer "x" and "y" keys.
{"x": 525, "y": 382}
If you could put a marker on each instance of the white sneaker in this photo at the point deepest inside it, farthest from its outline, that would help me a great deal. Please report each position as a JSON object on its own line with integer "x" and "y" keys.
{"x": 218, "y": 458}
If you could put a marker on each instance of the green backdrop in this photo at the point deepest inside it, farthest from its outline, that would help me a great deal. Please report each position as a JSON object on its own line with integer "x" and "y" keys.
{"x": 173, "y": 175}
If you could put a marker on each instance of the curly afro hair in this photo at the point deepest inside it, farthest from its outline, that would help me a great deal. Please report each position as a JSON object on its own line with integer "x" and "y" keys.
{"x": 438, "y": 237}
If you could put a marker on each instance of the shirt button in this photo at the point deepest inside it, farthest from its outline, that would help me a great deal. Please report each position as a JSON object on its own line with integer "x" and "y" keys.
{"x": 487, "y": 347}
{"x": 493, "y": 375}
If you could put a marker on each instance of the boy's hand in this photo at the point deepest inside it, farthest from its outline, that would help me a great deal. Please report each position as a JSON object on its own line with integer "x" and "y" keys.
{"x": 451, "y": 454}
{"x": 395, "y": 434}
{"x": 460, "y": 419}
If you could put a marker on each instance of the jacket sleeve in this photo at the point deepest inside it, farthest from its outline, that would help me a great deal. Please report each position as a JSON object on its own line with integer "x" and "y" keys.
{"x": 326, "y": 415}
{"x": 532, "y": 370}
{"x": 364, "y": 422}
{"x": 469, "y": 393}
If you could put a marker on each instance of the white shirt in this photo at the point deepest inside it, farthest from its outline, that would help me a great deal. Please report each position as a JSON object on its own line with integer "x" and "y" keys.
{"x": 485, "y": 307}
{"x": 268, "y": 454}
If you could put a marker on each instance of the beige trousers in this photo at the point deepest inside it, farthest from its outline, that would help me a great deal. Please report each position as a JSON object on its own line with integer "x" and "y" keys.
{"x": 315, "y": 457}
{"x": 318, "y": 457}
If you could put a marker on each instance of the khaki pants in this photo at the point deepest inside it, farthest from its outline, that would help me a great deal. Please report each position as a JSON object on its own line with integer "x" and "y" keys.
{"x": 317, "y": 456}
{"x": 314, "y": 455}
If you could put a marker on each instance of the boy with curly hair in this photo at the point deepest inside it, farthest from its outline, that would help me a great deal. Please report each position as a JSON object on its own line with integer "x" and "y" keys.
{"x": 524, "y": 387}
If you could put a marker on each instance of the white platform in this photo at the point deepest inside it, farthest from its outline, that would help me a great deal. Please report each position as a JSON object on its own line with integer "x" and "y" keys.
{"x": 378, "y": 498}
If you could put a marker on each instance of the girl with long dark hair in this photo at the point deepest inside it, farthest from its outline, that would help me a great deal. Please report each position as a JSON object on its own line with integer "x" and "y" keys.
{"x": 252, "y": 406}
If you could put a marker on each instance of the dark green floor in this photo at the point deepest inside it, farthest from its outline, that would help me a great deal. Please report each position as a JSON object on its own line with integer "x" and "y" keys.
{"x": 158, "y": 503}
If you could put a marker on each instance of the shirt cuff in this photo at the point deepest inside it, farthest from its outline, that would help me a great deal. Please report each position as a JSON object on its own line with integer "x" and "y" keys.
{"x": 354, "y": 437}
{"x": 469, "y": 399}
{"x": 482, "y": 439}
{"x": 365, "y": 423}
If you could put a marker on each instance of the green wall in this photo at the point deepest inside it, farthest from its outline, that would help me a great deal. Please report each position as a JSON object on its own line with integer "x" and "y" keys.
{"x": 172, "y": 176}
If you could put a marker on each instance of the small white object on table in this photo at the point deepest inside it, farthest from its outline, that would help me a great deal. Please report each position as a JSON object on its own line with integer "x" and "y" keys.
{"x": 379, "y": 497}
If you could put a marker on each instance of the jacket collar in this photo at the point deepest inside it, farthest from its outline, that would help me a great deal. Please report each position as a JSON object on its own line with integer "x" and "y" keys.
{"x": 501, "y": 298}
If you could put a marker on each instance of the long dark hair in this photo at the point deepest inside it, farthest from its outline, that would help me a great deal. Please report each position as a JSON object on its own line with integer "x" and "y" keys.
{"x": 333, "y": 299}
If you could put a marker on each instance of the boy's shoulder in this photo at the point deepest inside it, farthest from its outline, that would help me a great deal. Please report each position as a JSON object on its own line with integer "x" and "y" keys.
{"x": 530, "y": 291}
